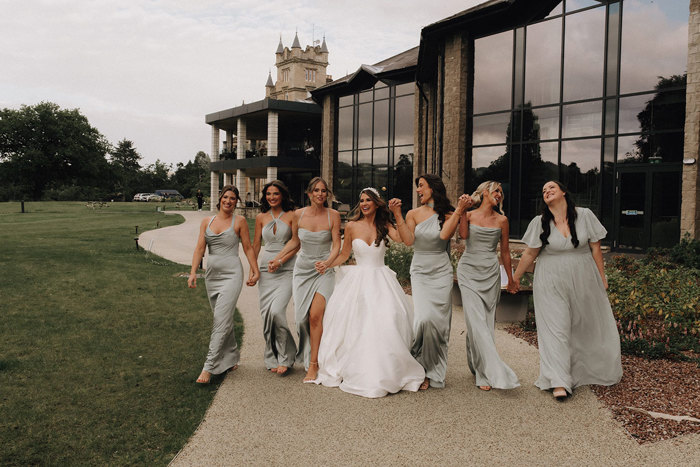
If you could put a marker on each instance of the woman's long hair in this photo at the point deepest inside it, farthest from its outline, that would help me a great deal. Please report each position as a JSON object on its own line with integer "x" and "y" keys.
{"x": 287, "y": 204}
{"x": 441, "y": 203}
{"x": 489, "y": 186}
{"x": 382, "y": 218}
{"x": 312, "y": 184}
{"x": 223, "y": 192}
{"x": 547, "y": 217}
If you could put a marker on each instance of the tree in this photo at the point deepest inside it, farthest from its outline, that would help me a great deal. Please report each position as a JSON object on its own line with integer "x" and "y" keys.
{"x": 190, "y": 177}
{"x": 124, "y": 160}
{"x": 44, "y": 146}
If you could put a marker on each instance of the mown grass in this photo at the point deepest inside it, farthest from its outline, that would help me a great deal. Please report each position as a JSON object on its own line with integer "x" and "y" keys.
{"x": 99, "y": 343}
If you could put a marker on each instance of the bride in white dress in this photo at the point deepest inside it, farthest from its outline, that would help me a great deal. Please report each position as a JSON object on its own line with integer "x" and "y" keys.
{"x": 367, "y": 327}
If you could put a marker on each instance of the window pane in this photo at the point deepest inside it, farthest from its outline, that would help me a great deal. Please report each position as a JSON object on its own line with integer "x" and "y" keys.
{"x": 490, "y": 163}
{"x": 343, "y": 177}
{"x": 366, "y": 96}
{"x": 539, "y": 165}
{"x": 557, "y": 10}
{"x": 584, "y": 55}
{"x": 404, "y": 120}
{"x": 381, "y": 93}
{"x": 380, "y": 166}
{"x": 519, "y": 68}
{"x": 363, "y": 172}
{"x": 345, "y": 100}
{"x": 345, "y": 128}
{"x": 580, "y": 170}
{"x": 381, "y": 123}
{"x": 584, "y": 119}
{"x": 627, "y": 150}
{"x": 543, "y": 62}
{"x": 406, "y": 88}
{"x": 493, "y": 69}
{"x": 403, "y": 176}
{"x": 364, "y": 126}
{"x": 613, "y": 44}
{"x": 572, "y": 5}
{"x": 490, "y": 129}
{"x": 658, "y": 48}
{"x": 630, "y": 109}
{"x": 545, "y": 125}
{"x": 610, "y": 116}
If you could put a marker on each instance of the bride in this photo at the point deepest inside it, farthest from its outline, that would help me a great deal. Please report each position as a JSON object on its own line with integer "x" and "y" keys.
{"x": 367, "y": 328}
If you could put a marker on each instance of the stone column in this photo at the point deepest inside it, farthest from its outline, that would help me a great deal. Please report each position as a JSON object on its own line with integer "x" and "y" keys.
{"x": 229, "y": 140}
{"x": 214, "y": 176}
{"x": 690, "y": 188}
{"x": 242, "y": 139}
{"x": 272, "y": 133}
{"x": 328, "y": 120}
{"x": 271, "y": 174}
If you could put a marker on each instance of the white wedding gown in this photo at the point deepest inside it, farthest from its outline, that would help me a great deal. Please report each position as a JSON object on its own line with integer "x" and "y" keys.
{"x": 367, "y": 330}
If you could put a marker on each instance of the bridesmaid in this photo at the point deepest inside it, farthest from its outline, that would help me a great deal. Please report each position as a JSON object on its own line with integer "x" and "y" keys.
{"x": 274, "y": 226}
{"x": 224, "y": 279}
{"x": 479, "y": 277}
{"x": 431, "y": 275}
{"x": 316, "y": 229}
{"x": 576, "y": 331}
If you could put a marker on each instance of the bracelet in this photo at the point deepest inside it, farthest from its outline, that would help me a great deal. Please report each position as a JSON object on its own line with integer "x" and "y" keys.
{"x": 280, "y": 261}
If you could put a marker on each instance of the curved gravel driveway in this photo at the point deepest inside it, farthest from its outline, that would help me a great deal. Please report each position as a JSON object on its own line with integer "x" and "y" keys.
{"x": 260, "y": 418}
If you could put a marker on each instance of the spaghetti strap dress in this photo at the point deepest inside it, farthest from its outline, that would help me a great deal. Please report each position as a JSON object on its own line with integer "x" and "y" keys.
{"x": 576, "y": 332}
{"x": 315, "y": 246}
{"x": 275, "y": 291}
{"x": 224, "y": 280}
{"x": 431, "y": 282}
{"x": 479, "y": 277}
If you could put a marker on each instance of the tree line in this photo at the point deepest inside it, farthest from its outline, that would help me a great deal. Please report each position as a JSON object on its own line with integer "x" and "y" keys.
{"x": 50, "y": 153}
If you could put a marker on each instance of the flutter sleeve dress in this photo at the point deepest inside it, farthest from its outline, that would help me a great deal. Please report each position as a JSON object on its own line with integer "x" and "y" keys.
{"x": 431, "y": 284}
{"x": 275, "y": 289}
{"x": 315, "y": 246}
{"x": 479, "y": 277}
{"x": 577, "y": 336}
{"x": 224, "y": 281}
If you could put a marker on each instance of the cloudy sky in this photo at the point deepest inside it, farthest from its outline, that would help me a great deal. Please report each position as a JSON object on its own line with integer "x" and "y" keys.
{"x": 149, "y": 71}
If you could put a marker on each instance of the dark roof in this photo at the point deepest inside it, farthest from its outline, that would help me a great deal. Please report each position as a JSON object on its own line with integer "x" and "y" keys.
{"x": 296, "y": 41}
{"x": 400, "y": 67}
{"x": 486, "y": 18}
{"x": 324, "y": 48}
{"x": 280, "y": 47}
{"x": 269, "y": 80}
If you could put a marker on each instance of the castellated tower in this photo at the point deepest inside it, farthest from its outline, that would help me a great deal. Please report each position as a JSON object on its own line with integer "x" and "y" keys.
{"x": 298, "y": 71}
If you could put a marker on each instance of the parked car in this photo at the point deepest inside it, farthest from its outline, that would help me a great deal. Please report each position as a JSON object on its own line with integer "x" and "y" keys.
{"x": 169, "y": 195}
{"x": 141, "y": 196}
{"x": 153, "y": 197}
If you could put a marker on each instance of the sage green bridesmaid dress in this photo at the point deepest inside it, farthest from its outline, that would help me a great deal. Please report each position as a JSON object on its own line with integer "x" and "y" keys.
{"x": 431, "y": 283}
{"x": 315, "y": 246}
{"x": 224, "y": 280}
{"x": 275, "y": 291}
{"x": 479, "y": 276}
{"x": 576, "y": 331}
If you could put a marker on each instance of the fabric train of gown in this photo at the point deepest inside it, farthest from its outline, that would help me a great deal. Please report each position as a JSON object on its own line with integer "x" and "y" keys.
{"x": 315, "y": 246}
{"x": 275, "y": 291}
{"x": 479, "y": 276}
{"x": 576, "y": 332}
{"x": 367, "y": 330}
{"x": 223, "y": 280}
{"x": 431, "y": 283}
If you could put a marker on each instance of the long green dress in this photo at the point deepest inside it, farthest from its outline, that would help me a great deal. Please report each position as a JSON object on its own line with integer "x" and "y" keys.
{"x": 431, "y": 284}
{"x": 576, "y": 331}
{"x": 224, "y": 280}
{"x": 315, "y": 246}
{"x": 479, "y": 277}
{"x": 275, "y": 289}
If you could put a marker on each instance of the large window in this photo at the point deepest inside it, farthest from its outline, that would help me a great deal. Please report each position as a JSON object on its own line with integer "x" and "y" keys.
{"x": 375, "y": 143}
{"x": 573, "y": 96}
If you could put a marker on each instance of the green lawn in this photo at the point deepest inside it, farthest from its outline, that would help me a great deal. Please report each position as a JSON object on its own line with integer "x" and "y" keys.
{"x": 99, "y": 343}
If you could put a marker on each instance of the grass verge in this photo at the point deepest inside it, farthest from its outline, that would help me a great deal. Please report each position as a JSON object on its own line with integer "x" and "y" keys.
{"x": 100, "y": 343}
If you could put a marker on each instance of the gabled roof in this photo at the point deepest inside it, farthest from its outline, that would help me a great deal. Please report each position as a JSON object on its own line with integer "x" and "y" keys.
{"x": 396, "y": 68}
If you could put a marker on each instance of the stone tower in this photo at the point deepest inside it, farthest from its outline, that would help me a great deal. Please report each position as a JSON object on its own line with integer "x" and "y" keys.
{"x": 298, "y": 71}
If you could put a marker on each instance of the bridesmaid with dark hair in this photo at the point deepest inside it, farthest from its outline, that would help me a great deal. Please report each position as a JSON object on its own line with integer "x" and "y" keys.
{"x": 316, "y": 230}
{"x": 224, "y": 278}
{"x": 274, "y": 226}
{"x": 431, "y": 275}
{"x": 576, "y": 331}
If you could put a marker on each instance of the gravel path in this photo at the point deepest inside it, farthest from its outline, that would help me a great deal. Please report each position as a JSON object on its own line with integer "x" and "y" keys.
{"x": 260, "y": 418}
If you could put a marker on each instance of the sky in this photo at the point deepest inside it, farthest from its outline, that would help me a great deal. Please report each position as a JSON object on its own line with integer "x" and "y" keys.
{"x": 149, "y": 71}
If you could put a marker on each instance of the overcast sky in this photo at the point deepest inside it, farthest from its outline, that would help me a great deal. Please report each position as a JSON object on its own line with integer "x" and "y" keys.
{"x": 149, "y": 71}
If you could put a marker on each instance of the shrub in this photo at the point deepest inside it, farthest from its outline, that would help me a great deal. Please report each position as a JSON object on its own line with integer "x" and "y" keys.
{"x": 686, "y": 252}
{"x": 398, "y": 257}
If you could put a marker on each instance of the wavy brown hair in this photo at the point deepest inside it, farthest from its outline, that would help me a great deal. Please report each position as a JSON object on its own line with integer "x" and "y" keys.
{"x": 224, "y": 190}
{"x": 382, "y": 218}
{"x": 441, "y": 203}
{"x": 287, "y": 204}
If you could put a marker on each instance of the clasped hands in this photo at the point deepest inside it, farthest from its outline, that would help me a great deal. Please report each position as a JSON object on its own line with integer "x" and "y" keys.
{"x": 513, "y": 287}
{"x": 274, "y": 265}
{"x": 463, "y": 203}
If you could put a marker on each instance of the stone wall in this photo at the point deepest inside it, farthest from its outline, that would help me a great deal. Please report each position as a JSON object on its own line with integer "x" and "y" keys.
{"x": 690, "y": 206}
{"x": 328, "y": 138}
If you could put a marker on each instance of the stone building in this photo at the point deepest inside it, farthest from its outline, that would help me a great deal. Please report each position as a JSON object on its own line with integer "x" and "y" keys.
{"x": 524, "y": 91}
{"x": 278, "y": 137}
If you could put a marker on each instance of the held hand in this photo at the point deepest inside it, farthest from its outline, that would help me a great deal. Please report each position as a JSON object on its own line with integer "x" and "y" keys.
{"x": 464, "y": 203}
{"x": 253, "y": 278}
{"x": 273, "y": 265}
{"x": 512, "y": 287}
{"x": 192, "y": 281}
{"x": 321, "y": 267}
{"x": 395, "y": 206}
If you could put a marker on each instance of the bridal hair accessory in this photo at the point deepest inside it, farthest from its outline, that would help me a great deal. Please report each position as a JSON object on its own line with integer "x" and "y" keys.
{"x": 372, "y": 189}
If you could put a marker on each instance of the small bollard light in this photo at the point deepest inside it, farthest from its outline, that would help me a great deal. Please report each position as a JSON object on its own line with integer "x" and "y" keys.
{"x": 22, "y": 206}
{"x": 136, "y": 239}
{"x": 137, "y": 229}
{"x": 157, "y": 224}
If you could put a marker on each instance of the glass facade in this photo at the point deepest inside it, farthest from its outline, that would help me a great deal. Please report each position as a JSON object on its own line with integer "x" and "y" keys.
{"x": 579, "y": 96}
{"x": 375, "y": 143}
